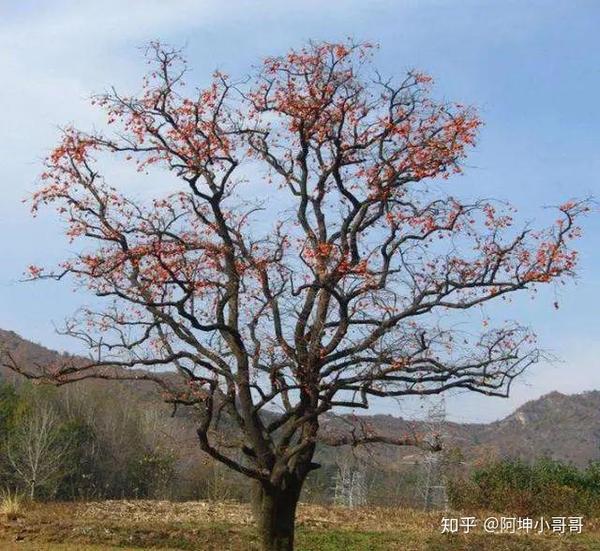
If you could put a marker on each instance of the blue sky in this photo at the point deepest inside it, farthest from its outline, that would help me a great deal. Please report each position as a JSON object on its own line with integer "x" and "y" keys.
{"x": 531, "y": 67}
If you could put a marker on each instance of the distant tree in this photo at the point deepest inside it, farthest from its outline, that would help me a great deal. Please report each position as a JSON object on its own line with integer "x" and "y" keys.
{"x": 302, "y": 264}
{"x": 37, "y": 451}
{"x": 120, "y": 446}
{"x": 9, "y": 406}
{"x": 9, "y": 401}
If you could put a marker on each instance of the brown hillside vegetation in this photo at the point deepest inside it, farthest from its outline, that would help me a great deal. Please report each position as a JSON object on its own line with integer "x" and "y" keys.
{"x": 563, "y": 427}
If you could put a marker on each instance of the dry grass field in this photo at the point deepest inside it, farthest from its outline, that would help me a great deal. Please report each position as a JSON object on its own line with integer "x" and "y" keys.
{"x": 134, "y": 525}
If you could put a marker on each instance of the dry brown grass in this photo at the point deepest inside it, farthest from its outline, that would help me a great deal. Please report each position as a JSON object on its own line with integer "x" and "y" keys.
{"x": 11, "y": 505}
{"x": 134, "y": 525}
{"x": 239, "y": 514}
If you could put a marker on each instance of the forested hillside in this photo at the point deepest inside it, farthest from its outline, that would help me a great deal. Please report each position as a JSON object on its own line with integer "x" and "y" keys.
{"x": 102, "y": 439}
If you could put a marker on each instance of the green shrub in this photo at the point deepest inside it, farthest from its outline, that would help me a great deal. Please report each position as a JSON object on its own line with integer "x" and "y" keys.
{"x": 544, "y": 487}
{"x": 151, "y": 474}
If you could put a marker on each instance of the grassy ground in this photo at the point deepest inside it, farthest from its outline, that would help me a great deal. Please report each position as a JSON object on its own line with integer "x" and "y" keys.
{"x": 135, "y": 525}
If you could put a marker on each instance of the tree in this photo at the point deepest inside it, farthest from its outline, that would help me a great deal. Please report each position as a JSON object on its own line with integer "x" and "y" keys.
{"x": 37, "y": 451}
{"x": 306, "y": 263}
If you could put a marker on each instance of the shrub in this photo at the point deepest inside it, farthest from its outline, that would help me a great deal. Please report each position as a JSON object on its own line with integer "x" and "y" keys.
{"x": 543, "y": 487}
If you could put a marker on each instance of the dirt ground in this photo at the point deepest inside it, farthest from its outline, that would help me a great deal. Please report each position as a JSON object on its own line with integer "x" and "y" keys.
{"x": 134, "y": 525}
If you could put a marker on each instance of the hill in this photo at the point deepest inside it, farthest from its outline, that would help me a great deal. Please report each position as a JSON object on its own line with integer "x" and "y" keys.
{"x": 560, "y": 426}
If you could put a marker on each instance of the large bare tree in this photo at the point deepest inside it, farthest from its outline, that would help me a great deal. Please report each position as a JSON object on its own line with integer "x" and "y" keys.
{"x": 307, "y": 263}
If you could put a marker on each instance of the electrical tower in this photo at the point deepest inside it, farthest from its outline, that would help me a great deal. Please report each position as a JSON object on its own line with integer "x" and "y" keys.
{"x": 350, "y": 486}
{"x": 431, "y": 487}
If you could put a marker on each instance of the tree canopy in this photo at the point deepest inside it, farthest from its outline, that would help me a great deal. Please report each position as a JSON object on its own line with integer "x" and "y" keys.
{"x": 305, "y": 261}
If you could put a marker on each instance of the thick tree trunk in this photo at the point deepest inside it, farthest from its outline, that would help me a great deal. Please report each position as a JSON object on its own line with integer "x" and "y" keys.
{"x": 275, "y": 514}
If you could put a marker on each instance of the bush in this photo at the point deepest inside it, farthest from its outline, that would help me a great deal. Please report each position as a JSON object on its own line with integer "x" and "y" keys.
{"x": 544, "y": 487}
{"x": 151, "y": 474}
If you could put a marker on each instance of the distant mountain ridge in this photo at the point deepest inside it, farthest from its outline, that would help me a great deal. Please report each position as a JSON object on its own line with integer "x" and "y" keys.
{"x": 560, "y": 426}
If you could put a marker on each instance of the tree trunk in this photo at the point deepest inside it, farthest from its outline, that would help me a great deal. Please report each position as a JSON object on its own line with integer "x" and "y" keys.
{"x": 275, "y": 514}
